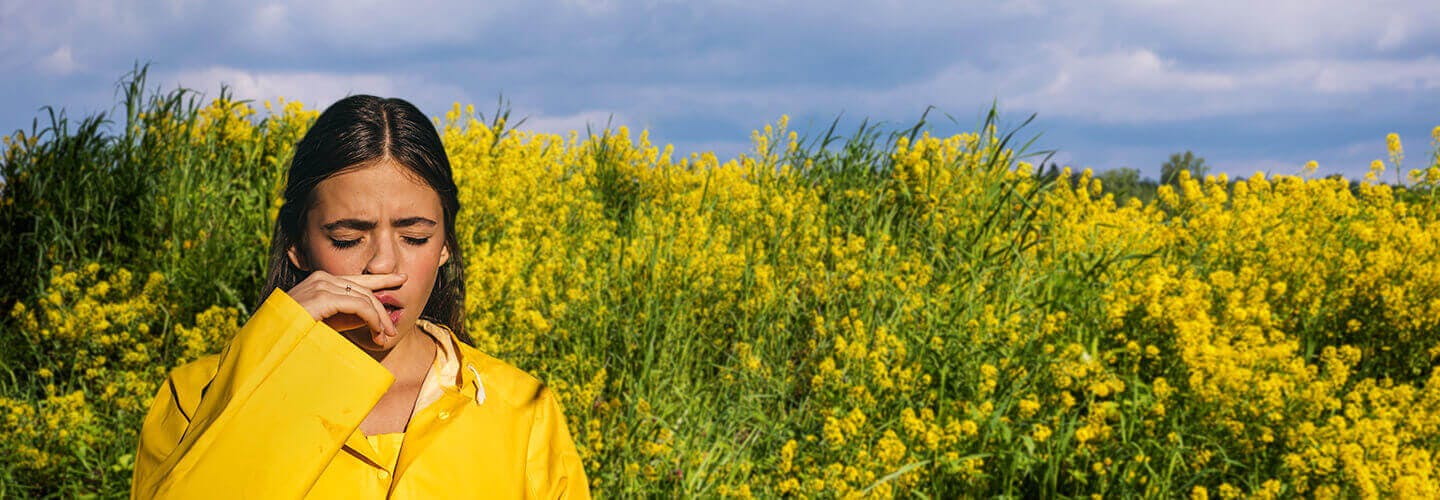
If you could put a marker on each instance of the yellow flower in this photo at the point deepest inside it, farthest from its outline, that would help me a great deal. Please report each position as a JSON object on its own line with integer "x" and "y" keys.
{"x": 1028, "y": 407}
{"x": 1040, "y": 433}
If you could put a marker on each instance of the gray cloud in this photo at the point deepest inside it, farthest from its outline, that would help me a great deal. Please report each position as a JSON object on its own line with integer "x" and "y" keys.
{"x": 1115, "y": 83}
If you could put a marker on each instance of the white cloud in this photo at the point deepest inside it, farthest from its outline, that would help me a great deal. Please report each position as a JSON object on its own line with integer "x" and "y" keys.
{"x": 595, "y": 120}
{"x": 703, "y": 68}
{"x": 318, "y": 89}
{"x": 1283, "y": 28}
{"x": 1373, "y": 75}
{"x": 591, "y": 6}
{"x": 60, "y": 62}
{"x": 367, "y": 25}
{"x": 270, "y": 19}
{"x": 1140, "y": 86}
{"x": 1396, "y": 33}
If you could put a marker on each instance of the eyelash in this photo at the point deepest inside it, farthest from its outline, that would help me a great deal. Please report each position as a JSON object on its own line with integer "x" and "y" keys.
{"x": 343, "y": 244}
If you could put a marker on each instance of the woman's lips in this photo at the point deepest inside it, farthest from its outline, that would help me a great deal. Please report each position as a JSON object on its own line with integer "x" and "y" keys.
{"x": 392, "y": 306}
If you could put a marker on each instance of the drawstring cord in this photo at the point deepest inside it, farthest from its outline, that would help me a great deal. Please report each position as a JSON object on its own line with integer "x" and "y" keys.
{"x": 479, "y": 387}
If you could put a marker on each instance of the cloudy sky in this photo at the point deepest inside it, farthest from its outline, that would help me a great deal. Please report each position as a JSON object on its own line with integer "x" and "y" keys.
{"x": 1249, "y": 85}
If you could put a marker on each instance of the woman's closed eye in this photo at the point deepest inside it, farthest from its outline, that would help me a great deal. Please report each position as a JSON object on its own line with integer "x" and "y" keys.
{"x": 342, "y": 243}
{"x": 338, "y": 243}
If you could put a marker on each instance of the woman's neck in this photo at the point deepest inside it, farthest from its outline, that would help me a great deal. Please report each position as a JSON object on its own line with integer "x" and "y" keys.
{"x": 411, "y": 358}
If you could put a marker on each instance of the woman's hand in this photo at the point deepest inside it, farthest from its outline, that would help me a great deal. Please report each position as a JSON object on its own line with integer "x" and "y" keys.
{"x": 348, "y": 302}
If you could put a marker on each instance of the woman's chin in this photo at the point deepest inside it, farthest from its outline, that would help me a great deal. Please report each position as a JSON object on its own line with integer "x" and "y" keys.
{"x": 363, "y": 338}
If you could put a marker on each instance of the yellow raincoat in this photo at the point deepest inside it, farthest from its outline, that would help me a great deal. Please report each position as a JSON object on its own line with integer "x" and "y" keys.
{"x": 277, "y": 415}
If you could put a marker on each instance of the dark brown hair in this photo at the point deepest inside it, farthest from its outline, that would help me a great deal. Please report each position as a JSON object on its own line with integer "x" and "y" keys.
{"x": 352, "y": 133}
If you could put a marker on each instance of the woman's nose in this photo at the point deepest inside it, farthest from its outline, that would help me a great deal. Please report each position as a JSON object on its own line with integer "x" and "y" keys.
{"x": 384, "y": 260}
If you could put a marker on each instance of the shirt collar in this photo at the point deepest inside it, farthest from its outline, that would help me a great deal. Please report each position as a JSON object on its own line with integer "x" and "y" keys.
{"x": 444, "y": 371}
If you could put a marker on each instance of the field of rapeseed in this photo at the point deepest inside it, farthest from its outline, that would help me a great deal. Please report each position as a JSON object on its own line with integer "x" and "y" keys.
{"x": 888, "y": 315}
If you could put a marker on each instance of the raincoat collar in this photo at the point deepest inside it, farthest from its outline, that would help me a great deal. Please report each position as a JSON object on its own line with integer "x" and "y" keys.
{"x": 450, "y": 372}
{"x": 455, "y": 371}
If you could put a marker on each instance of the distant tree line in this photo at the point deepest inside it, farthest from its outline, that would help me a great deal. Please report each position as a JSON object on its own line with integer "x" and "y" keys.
{"x": 1126, "y": 183}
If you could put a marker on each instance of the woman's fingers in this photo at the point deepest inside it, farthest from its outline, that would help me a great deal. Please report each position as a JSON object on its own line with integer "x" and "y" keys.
{"x": 366, "y": 284}
{"x": 347, "y": 302}
{"x": 378, "y": 318}
{"x": 349, "y": 307}
{"x": 374, "y": 281}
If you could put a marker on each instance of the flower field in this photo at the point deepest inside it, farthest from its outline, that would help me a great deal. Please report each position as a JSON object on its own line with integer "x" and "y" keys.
{"x": 882, "y": 315}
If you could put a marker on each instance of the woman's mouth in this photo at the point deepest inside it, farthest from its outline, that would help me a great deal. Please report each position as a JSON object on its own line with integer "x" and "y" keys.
{"x": 392, "y": 307}
{"x": 395, "y": 313}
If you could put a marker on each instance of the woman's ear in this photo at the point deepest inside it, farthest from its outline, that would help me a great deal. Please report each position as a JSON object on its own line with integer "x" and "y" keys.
{"x": 444, "y": 255}
{"x": 295, "y": 258}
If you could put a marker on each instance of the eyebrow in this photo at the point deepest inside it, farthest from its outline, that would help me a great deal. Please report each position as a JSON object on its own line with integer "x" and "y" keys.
{"x": 366, "y": 225}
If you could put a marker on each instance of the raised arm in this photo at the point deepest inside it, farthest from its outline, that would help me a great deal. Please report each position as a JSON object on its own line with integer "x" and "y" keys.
{"x": 285, "y": 395}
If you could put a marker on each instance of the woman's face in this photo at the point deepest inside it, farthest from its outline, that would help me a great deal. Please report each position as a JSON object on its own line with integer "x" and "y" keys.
{"x": 377, "y": 219}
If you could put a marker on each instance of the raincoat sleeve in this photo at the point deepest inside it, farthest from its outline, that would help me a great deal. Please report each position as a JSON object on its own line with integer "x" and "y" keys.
{"x": 553, "y": 467}
{"x": 287, "y": 393}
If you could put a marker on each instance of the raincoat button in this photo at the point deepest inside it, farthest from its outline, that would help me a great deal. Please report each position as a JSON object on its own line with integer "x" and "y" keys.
{"x": 384, "y": 474}
{"x": 444, "y": 415}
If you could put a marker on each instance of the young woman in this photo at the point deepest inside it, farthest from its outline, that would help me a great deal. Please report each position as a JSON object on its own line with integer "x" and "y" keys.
{"x": 354, "y": 378}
